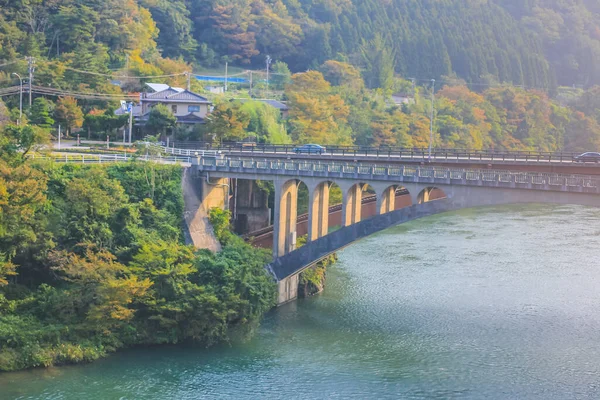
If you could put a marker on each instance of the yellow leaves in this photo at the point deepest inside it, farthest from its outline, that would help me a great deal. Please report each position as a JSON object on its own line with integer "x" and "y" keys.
{"x": 96, "y": 266}
{"x": 463, "y": 93}
{"x": 138, "y": 65}
{"x": 316, "y": 115}
{"x": 114, "y": 297}
{"x": 6, "y": 269}
{"x": 311, "y": 81}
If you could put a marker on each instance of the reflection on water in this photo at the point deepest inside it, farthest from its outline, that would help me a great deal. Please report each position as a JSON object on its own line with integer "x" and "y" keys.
{"x": 496, "y": 303}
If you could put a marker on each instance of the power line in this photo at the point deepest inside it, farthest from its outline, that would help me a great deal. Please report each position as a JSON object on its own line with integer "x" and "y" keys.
{"x": 124, "y": 76}
{"x": 9, "y": 63}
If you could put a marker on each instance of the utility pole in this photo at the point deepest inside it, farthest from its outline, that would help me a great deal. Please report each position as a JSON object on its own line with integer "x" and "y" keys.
{"x": 250, "y": 82}
{"x": 268, "y": 65}
{"x": 188, "y": 80}
{"x": 414, "y": 89}
{"x": 59, "y": 136}
{"x": 130, "y": 120}
{"x": 431, "y": 117}
{"x": 20, "y": 98}
{"x": 31, "y": 64}
{"x": 226, "y": 66}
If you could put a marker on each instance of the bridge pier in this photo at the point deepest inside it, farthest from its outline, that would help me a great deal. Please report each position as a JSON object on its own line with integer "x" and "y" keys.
{"x": 386, "y": 201}
{"x": 285, "y": 218}
{"x": 352, "y": 206}
{"x": 318, "y": 211}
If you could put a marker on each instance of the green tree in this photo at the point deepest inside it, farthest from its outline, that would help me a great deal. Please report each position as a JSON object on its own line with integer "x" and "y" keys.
{"x": 160, "y": 120}
{"x": 281, "y": 75}
{"x": 378, "y": 61}
{"x": 17, "y": 142}
{"x": 227, "y": 122}
{"x": 4, "y": 115}
{"x": 40, "y": 113}
{"x": 265, "y": 123}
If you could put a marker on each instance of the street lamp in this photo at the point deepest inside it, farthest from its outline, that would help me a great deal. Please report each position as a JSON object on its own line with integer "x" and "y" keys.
{"x": 20, "y": 98}
{"x": 269, "y": 59}
{"x": 431, "y": 117}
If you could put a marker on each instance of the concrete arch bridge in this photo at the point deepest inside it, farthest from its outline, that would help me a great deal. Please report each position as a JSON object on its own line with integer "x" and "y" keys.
{"x": 432, "y": 190}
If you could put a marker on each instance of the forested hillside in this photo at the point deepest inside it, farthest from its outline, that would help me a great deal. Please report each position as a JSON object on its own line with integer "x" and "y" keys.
{"x": 498, "y": 64}
{"x": 538, "y": 43}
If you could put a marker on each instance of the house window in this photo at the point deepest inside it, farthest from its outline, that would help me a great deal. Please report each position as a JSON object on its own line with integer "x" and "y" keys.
{"x": 174, "y": 108}
{"x": 193, "y": 109}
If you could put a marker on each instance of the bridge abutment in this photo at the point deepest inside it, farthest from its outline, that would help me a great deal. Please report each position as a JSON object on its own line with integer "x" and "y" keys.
{"x": 199, "y": 198}
{"x": 287, "y": 289}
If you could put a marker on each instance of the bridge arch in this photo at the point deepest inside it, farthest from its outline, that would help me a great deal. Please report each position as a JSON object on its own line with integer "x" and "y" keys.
{"x": 352, "y": 204}
{"x": 392, "y": 198}
{"x": 431, "y": 193}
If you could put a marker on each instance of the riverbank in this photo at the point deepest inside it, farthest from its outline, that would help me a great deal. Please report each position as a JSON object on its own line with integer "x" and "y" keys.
{"x": 93, "y": 261}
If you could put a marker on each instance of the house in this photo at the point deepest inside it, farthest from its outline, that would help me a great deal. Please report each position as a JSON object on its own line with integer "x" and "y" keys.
{"x": 403, "y": 98}
{"x": 188, "y": 107}
{"x": 215, "y": 89}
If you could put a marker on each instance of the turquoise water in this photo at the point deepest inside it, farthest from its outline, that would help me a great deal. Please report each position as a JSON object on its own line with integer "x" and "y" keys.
{"x": 485, "y": 303}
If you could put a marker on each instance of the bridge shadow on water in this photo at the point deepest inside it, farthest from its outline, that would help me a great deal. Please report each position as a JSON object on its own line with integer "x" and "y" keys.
{"x": 302, "y": 258}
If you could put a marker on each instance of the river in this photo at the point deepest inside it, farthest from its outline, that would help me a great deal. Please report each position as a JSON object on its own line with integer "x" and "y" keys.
{"x": 494, "y": 303}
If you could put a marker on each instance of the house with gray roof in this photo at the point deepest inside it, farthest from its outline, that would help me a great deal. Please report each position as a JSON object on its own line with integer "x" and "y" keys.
{"x": 187, "y": 106}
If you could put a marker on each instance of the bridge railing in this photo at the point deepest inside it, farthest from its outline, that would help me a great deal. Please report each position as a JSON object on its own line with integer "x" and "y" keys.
{"x": 107, "y": 158}
{"x": 403, "y": 172}
{"x": 187, "y": 148}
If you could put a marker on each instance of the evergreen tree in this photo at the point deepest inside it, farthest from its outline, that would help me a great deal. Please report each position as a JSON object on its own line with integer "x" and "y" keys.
{"x": 41, "y": 110}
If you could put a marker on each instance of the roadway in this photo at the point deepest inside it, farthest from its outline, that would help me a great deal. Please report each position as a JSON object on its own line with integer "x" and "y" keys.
{"x": 565, "y": 166}
{"x": 519, "y": 161}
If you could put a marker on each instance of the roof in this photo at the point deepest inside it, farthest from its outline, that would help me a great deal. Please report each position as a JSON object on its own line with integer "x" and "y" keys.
{"x": 190, "y": 118}
{"x": 175, "y": 95}
{"x": 159, "y": 87}
{"x": 276, "y": 104}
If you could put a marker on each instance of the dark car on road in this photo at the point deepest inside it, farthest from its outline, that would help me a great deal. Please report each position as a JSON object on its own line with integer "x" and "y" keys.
{"x": 309, "y": 149}
{"x": 587, "y": 157}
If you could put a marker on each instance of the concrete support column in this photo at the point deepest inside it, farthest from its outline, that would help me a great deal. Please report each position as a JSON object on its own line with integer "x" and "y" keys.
{"x": 351, "y": 209}
{"x": 287, "y": 289}
{"x": 286, "y": 213}
{"x": 215, "y": 193}
{"x": 424, "y": 196}
{"x": 318, "y": 217}
{"x": 386, "y": 201}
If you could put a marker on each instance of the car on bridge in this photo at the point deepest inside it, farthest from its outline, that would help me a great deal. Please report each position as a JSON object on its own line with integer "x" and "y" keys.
{"x": 587, "y": 157}
{"x": 309, "y": 149}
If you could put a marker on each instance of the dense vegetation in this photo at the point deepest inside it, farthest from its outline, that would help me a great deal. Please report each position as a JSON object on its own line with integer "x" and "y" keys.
{"x": 478, "y": 51}
{"x": 326, "y": 109}
{"x": 535, "y": 42}
{"x": 92, "y": 260}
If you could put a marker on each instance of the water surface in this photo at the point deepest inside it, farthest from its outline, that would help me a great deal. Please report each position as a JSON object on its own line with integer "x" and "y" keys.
{"x": 489, "y": 303}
